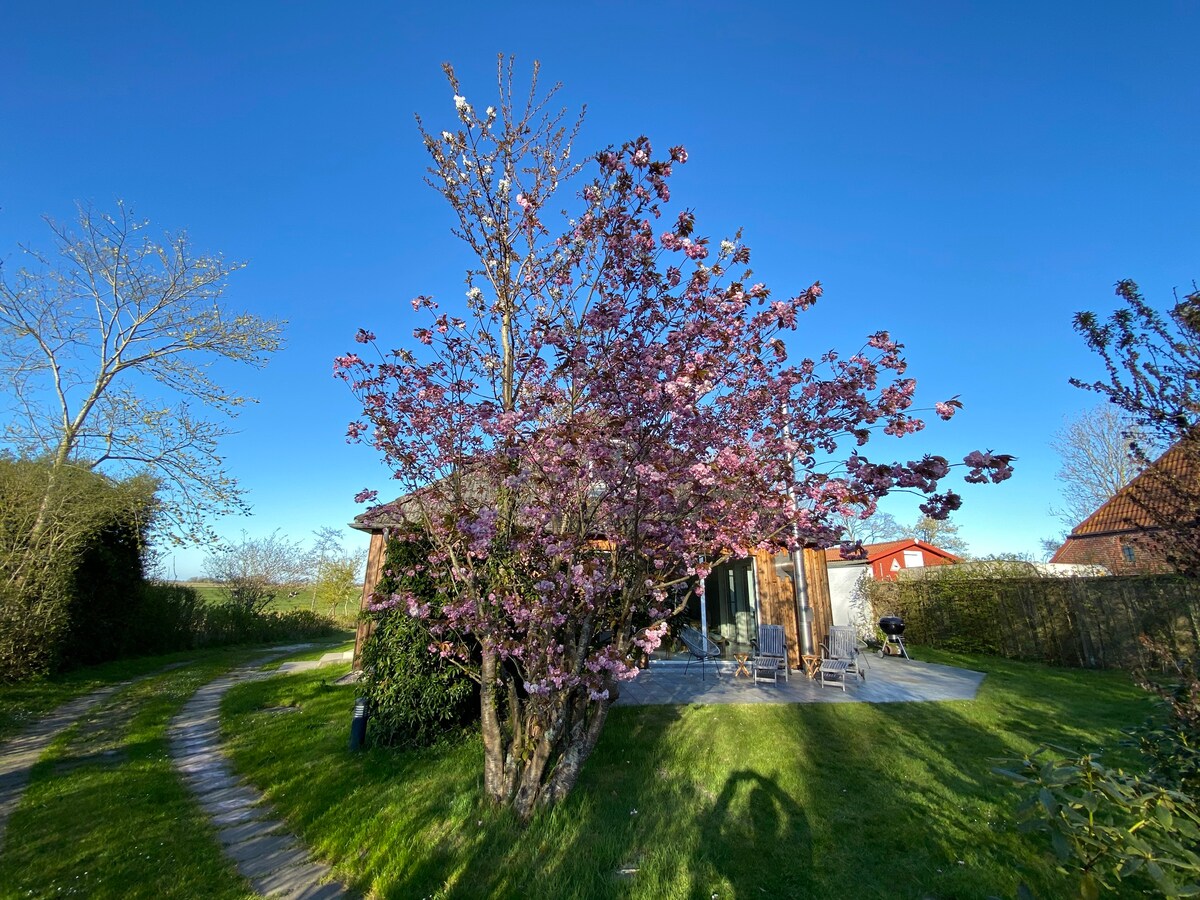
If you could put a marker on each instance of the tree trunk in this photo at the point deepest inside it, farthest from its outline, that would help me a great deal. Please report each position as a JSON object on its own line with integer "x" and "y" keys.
{"x": 534, "y": 754}
{"x": 497, "y": 787}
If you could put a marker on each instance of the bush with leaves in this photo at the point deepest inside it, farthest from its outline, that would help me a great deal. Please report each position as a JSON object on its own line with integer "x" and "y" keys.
{"x": 1122, "y": 830}
{"x": 1116, "y": 830}
{"x": 222, "y": 624}
{"x": 65, "y": 586}
{"x": 417, "y": 698}
{"x": 1171, "y": 745}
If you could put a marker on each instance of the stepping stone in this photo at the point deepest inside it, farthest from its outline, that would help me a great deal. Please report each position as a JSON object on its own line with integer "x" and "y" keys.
{"x": 292, "y": 879}
{"x": 260, "y": 846}
{"x": 233, "y": 835}
{"x": 331, "y": 890}
{"x": 301, "y": 666}
{"x": 255, "y": 863}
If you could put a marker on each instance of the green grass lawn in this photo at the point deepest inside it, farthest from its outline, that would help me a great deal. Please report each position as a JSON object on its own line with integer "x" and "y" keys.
{"x": 815, "y": 800}
{"x": 105, "y": 815}
{"x": 345, "y": 613}
{"x": 21, "y": 703}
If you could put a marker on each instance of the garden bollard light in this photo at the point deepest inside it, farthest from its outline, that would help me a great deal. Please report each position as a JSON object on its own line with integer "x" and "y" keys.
{"x": 358, "y": 725}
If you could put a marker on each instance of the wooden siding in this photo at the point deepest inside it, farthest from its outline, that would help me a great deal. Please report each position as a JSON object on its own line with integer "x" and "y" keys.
{"x": 375, "y": 556}
{"x": 777, "y": 602}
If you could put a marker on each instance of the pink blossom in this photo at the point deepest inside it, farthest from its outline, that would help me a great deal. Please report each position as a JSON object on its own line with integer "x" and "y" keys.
{"x": 659, "y": 420}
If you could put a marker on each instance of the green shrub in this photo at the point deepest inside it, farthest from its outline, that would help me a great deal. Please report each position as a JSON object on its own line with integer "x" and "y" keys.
{"x": 416, "y": 697}
{"x": 106, "y": 598}
{"x": 221, "y": 624}
{"x": 1123, "y": 830}
{"x": 1116, "y": 830}
{"x": 166, "y": 620}
{"x": 1171, "y": 744}
{"x": 69, "y": 563}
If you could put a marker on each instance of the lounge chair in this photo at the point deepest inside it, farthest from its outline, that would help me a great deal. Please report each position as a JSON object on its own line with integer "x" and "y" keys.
{"x": 843, "y": 645}
{"x": 833, "y": 671}
{"x": 770, "y": 654}
{"x": 698, "y": 646}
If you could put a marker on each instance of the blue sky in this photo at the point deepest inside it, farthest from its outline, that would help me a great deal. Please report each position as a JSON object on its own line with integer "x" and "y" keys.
{"x": 965, "y": 175}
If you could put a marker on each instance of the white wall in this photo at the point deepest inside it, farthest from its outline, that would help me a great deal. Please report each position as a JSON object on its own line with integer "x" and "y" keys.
{"x": 848, "y": 603}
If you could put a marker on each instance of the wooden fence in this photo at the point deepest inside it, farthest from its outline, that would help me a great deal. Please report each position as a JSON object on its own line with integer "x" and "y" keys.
{"x": 1089, "y": 622}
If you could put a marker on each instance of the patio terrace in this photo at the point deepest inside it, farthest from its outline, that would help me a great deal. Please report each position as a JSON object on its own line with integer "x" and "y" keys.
{"x": 889, "y": 680}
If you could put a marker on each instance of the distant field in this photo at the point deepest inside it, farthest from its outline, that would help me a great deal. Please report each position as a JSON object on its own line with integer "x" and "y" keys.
{"x": 302, "y": 599}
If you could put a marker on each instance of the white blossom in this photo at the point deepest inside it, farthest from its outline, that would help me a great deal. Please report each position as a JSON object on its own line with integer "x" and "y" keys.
{"x": 727, "y": 247}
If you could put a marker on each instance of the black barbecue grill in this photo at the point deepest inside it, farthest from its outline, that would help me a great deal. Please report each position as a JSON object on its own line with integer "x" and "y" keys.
{"x": 893, "y": 637}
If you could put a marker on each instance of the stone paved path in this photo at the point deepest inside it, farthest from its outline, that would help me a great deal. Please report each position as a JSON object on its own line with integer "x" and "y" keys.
{"x": 18, "y": 756}
{"x": 250, "y": 831}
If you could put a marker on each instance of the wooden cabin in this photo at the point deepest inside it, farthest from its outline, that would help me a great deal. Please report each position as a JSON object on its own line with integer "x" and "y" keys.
{"x": 739, "y": 595}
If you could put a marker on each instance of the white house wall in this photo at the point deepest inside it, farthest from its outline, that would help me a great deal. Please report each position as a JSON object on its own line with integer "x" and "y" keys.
{"x": 849, "y": 604}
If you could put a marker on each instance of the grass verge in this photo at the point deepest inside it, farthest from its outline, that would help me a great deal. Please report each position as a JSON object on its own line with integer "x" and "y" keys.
{"x": 733, "y": 801}
{"x": 301, "y": 597}
{"x": 106, "y": 816}
{"x": 23, "y": 702}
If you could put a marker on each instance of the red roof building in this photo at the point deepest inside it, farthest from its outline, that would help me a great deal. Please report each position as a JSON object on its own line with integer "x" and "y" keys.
{"x": 1127, "y": 533}
{"x": 887, "y": 559}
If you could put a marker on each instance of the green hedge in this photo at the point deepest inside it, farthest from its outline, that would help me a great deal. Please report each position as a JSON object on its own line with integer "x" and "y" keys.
{"x": 416, "y": 697}
{"x": 72, "y": 589}
{"x": 1006, "y": 610}
{"x": 70, "y": 563}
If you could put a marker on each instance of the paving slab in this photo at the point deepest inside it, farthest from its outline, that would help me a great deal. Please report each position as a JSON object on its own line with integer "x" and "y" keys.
{"x": 293, "y": 880}
{"x": 237, "y": 834}
{"x": 230, "y": 797}
{"x": 889, "y": 680}
{"x": 259, "y": 845}
{"x": 329, "y": 891}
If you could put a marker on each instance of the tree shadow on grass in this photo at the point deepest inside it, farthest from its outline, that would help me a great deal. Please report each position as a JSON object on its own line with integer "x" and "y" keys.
{"x": 757, "y": 839}
{"x": 677, "y": 801}
{"x": 914, "y": 783}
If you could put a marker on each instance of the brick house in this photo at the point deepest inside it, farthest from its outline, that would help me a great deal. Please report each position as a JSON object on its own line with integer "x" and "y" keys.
{"x": 1133, "y": 533}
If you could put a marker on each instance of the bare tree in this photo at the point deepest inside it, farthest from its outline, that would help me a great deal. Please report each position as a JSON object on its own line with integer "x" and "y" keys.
{"x": 253, "y": 571}
{"x": 872, "y": 530}
{"x": 107, "y": 344}
{"x": 941, "y": 533}
{"x": 1097, "y": 460}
